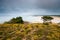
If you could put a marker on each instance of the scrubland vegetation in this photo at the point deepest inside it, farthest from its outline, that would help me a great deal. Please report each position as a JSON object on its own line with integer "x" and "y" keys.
{"x": 36, "y": 31}
{"x": 17, "y": 29}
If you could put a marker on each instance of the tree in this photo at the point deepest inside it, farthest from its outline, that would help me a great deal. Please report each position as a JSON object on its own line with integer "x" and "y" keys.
{"x": 47, "y": 19}
{"x": 19, "y": 20}
{"x": 12, "y": 20}
{"x": 15, "y": 20}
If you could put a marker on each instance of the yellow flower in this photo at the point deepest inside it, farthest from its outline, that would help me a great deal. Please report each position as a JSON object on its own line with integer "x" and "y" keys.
{"x": 18, "y": 32}
{"x": 8, "y": 39}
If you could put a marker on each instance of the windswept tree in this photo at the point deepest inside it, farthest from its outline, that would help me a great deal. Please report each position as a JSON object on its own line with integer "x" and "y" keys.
{"x": 15, "y": 20}
{"x": 47, "y": 19}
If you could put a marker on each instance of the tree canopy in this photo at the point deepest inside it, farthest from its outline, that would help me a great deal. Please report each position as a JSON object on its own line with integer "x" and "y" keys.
{"x": 15, "y": 20}
{"x": 47, "y": 19}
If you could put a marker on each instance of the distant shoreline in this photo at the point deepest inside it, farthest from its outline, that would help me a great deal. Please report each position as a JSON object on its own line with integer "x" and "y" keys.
{"x": 47, "y": 15}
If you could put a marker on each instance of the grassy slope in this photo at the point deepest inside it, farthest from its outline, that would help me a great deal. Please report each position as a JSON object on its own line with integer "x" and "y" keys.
{"x": 29, "y": 32}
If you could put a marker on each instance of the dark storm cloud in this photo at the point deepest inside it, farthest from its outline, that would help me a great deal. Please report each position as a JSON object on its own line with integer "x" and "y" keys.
{"x": 13, "y": 5}
{"x": 25, "y": 5}
{"x": 53, "y": 5}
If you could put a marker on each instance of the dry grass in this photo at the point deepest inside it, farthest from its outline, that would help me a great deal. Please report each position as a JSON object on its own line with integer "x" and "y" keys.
{"x": 29, "y": 32}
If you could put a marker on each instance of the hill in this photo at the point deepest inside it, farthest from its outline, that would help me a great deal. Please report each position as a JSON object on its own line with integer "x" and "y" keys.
{"x": 36, "y": 31}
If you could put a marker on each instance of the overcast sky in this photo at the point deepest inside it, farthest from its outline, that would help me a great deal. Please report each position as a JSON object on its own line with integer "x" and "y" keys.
{"x": 13, "y": 8}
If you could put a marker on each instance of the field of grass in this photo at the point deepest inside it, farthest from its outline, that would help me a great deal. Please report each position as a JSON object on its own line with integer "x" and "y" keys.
{"x": 29, "y": 32}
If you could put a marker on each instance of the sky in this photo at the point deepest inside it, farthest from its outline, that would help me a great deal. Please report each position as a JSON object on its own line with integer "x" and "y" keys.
{"x": 26, "y": 8}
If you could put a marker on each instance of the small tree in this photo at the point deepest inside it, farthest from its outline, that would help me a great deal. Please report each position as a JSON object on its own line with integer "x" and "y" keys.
{"x": 47, "y": 19}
